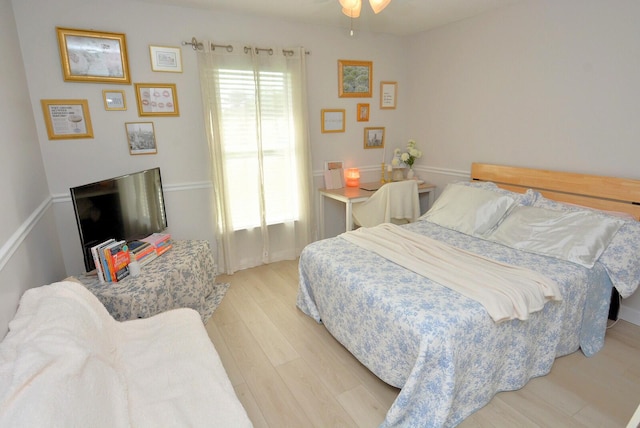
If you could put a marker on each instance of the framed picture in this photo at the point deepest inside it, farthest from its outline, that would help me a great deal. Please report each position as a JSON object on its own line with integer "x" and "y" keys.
{"x": 67, "y": 119}
{"x": 114, "y": 100}
{"x": 333, "y": 175}
{"x": 157, "y": 99}
{"x": 374, "y": 138}
{"x": 332, "y": 165}
{"x": 388, "y": 94}
{"x": 333, "y": 120}
{"x": 354, "y": 78}
{"x": 141, "y": 138}
{"x": 363, "y": 113}
{"x": 91, "y": 56}
{"x": 166, "y": 58}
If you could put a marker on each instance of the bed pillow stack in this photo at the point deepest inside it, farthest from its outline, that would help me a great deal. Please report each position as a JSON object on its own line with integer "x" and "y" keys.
{"x": 533, "y": 223}
{"x": 620, "y": 257}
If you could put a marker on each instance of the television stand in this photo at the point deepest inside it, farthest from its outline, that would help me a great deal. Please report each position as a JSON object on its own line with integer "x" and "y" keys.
{"x": 182, "y": 277}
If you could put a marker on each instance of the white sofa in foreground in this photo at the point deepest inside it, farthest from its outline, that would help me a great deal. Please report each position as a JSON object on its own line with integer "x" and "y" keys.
{"x": 67, "y": 363}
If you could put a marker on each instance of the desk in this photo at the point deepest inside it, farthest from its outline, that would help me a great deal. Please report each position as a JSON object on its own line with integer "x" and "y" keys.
{"x": 351, "y": 195}
{"x": 183, "y": 277}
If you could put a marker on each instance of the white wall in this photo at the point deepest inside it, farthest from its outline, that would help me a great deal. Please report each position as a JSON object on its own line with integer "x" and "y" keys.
{"x": 542, "y": 84}
{"x": 29, "y": 248}
{"x": 182, "y": 146}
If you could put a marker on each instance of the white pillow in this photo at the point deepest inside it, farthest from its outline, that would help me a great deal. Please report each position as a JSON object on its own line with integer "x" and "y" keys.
{"x": 470, "y": 210}
{"x": 621, "y": 258}
{"x": 526, "y": 198}
{"x": 579, "y": 237}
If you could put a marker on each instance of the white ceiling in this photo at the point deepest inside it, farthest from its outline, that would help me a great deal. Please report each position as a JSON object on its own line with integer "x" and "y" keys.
{"x": 401, "y": 17}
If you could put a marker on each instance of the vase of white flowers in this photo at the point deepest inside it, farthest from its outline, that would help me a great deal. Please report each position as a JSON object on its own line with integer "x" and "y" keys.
{"x": 410, "y": 156}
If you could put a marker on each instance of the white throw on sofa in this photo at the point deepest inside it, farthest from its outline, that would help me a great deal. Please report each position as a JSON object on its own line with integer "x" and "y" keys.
{"x": 67, "y": 363}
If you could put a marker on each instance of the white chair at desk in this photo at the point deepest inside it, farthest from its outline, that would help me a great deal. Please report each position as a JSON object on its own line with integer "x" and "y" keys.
{"x": 396, "y": 202}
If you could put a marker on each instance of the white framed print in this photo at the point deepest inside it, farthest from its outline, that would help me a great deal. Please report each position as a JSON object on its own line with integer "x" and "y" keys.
{"x": 388, "y": 94}
{"x": 114, "y": 100}
{"x": 166, "y": 58}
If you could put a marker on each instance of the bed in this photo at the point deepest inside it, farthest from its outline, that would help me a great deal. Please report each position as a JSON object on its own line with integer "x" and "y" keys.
{"x": 450, "y": 353}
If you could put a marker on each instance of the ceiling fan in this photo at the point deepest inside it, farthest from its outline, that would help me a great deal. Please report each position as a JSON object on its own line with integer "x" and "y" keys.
{"x": 351, "y": 8}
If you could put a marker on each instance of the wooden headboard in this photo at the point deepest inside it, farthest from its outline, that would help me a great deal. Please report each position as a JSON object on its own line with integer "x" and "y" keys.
{"x": 595, "y": 191}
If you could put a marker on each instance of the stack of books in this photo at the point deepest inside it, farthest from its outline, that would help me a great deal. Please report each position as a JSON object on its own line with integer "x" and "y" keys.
{"x": 142, "y": 252}
{"x": 111, "y": 258}
{"x": 160, "y": 241}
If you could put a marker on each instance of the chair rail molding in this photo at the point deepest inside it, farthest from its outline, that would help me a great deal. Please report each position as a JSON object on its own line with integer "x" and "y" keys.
{"x": 17, "y": 238}
{"x": 196, "y": 185}
{"x": 458, "y": 174}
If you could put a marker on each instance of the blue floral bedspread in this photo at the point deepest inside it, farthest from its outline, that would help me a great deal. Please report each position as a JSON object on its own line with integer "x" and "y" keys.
{"x": 442, "y": 349}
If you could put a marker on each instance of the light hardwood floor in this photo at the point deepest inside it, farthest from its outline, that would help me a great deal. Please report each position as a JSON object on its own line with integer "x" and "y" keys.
{"x": 288, "y": 371}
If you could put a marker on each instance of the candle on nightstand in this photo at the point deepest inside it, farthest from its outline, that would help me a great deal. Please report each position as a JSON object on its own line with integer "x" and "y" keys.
{"x": 389, "y": 168}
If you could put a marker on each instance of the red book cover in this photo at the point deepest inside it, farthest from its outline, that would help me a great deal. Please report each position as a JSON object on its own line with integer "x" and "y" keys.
{"x": 147, "y": 250}
{"x": 119, "y": 260}
{"x": 163, "y": 249}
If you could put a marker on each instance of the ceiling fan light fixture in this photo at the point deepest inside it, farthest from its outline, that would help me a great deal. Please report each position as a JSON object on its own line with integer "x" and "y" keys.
{"x": 377, "y": 5}
{"x": 349, "y": 4}
{"x": 352, "y": 13}
{"x": 351, "y": 8}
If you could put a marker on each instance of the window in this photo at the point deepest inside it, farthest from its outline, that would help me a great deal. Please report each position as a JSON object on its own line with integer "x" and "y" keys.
{"x": 258, "y": 145}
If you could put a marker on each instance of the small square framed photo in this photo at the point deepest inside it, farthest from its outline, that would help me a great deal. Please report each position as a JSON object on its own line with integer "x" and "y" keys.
{"x": 166, "y": 58}
{"x": 114, "y": 100}
{"x": 333, "y": 120}
{"x": 141, "y": 137}
{"x": 374, "y": 138}
{"x": 363, "y": 113}
{"x": 157, "y": 99}
{"x": 355, "y": 78}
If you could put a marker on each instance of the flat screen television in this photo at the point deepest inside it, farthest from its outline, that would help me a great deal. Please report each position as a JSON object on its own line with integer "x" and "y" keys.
{"x": 127, "y": 208}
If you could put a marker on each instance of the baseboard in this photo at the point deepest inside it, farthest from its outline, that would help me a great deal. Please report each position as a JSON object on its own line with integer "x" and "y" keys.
{"x": 631, "y": 315}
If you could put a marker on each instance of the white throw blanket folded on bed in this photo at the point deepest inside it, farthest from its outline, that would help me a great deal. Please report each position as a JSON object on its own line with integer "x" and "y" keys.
{"x": 506, "y": 291}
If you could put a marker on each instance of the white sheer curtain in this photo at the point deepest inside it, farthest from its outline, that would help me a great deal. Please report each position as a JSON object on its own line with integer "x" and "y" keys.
{"x": 255, "y": 106}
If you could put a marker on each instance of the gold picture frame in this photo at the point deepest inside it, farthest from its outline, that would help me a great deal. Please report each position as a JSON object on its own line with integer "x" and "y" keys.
{"x": 355, "y": 79}
{"x": 374, "y": 138}
{"x": 141, "y": 138}
{"x": 363, "y": 112}
{"x": 388, "y": 95}
{"x": 114, "y": 100}
{"x": 92, "y": 56}
{"x": 67, "y": 119}
{"x": 332, "y": 120}
{"x": 157, "y": 99}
